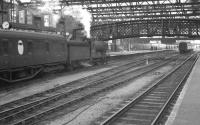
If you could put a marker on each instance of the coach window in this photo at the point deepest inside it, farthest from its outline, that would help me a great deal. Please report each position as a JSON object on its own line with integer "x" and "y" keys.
{"x": 5, "y": 47}
{"x": 30, "y": 47}
{"x": 47, "y": 47}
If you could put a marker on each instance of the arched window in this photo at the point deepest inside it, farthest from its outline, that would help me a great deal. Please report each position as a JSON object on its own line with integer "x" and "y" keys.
{"x": 20, "y": 47}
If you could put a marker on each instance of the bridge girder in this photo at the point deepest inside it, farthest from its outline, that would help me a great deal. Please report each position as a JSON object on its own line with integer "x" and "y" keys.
{"x": 147, "y": 28}
{"x": 117, "y": 19}
{"x": 137, "y": 18}
{"x": 106, "y": 11}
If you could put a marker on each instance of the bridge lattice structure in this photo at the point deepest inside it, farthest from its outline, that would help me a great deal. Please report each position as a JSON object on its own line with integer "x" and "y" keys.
{"x": 116, "y": 19}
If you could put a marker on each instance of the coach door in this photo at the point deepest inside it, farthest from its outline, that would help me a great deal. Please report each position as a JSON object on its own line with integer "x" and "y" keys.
{"x": 30, "y": 52}
{"x": 4, "y": 54}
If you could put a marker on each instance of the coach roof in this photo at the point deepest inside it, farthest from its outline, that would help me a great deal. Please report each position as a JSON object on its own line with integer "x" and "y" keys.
{"x": 29, "y": 34}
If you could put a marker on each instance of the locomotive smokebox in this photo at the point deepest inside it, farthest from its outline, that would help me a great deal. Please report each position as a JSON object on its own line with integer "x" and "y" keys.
{"x": 100, "y": 46}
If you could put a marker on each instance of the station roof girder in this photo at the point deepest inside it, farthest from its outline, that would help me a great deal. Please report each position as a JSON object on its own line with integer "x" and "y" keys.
{"x": 106, "y": 11}
{"x": 147, "y": 28}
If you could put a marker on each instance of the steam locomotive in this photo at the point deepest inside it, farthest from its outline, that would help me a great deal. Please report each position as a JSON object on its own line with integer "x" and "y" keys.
{"x": 25, "y": 54}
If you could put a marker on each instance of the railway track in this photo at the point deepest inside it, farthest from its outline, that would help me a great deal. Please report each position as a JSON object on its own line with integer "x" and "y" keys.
{"x": 29, "y": 109}
{"x": 150, "y": 106}
{"x": 115, "y": 61}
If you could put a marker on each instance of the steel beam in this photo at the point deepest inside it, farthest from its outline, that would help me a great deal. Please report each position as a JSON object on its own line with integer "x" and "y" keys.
{"x": 147, "y": 28}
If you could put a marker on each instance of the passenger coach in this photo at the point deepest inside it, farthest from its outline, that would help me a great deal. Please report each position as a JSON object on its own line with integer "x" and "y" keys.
{"x": 24, "y": 54}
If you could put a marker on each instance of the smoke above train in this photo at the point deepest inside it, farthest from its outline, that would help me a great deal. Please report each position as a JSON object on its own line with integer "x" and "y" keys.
{"x": 74, "y": 15}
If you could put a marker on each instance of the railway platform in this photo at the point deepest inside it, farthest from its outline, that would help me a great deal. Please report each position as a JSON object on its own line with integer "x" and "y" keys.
{"x": 130, "y": 52}
{"x": 186, "y": 110}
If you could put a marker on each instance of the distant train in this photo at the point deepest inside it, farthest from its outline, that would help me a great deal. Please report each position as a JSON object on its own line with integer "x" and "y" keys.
{"x": 184, "y": 47}
{"x": 25, "y": 54}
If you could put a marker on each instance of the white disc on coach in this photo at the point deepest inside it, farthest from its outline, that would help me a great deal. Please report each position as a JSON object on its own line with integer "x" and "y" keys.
{"x": 20, "y": 47}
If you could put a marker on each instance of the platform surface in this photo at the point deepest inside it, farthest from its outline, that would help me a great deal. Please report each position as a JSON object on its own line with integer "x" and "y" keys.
{"x": 188, "y": 111}
{"x": 130, "y": 52}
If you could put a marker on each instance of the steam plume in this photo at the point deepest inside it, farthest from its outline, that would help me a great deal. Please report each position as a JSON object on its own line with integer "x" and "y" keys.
{"x": 81, "y": 15}
{"x": 77, "y": 12}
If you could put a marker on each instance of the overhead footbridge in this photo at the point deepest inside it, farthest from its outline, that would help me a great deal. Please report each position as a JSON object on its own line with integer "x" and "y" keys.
{"x": 117, "y": 19}
{"x": 147, "y": 28}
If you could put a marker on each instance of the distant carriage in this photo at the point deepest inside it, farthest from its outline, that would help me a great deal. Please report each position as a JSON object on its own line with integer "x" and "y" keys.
{"x": 184, "y": 47}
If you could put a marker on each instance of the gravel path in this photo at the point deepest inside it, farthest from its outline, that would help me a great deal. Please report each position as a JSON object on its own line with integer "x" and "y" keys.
{"x": 44, "y": 84}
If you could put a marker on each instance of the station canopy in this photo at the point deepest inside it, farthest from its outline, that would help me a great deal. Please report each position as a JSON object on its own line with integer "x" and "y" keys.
{"x": 107, "y": 11}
